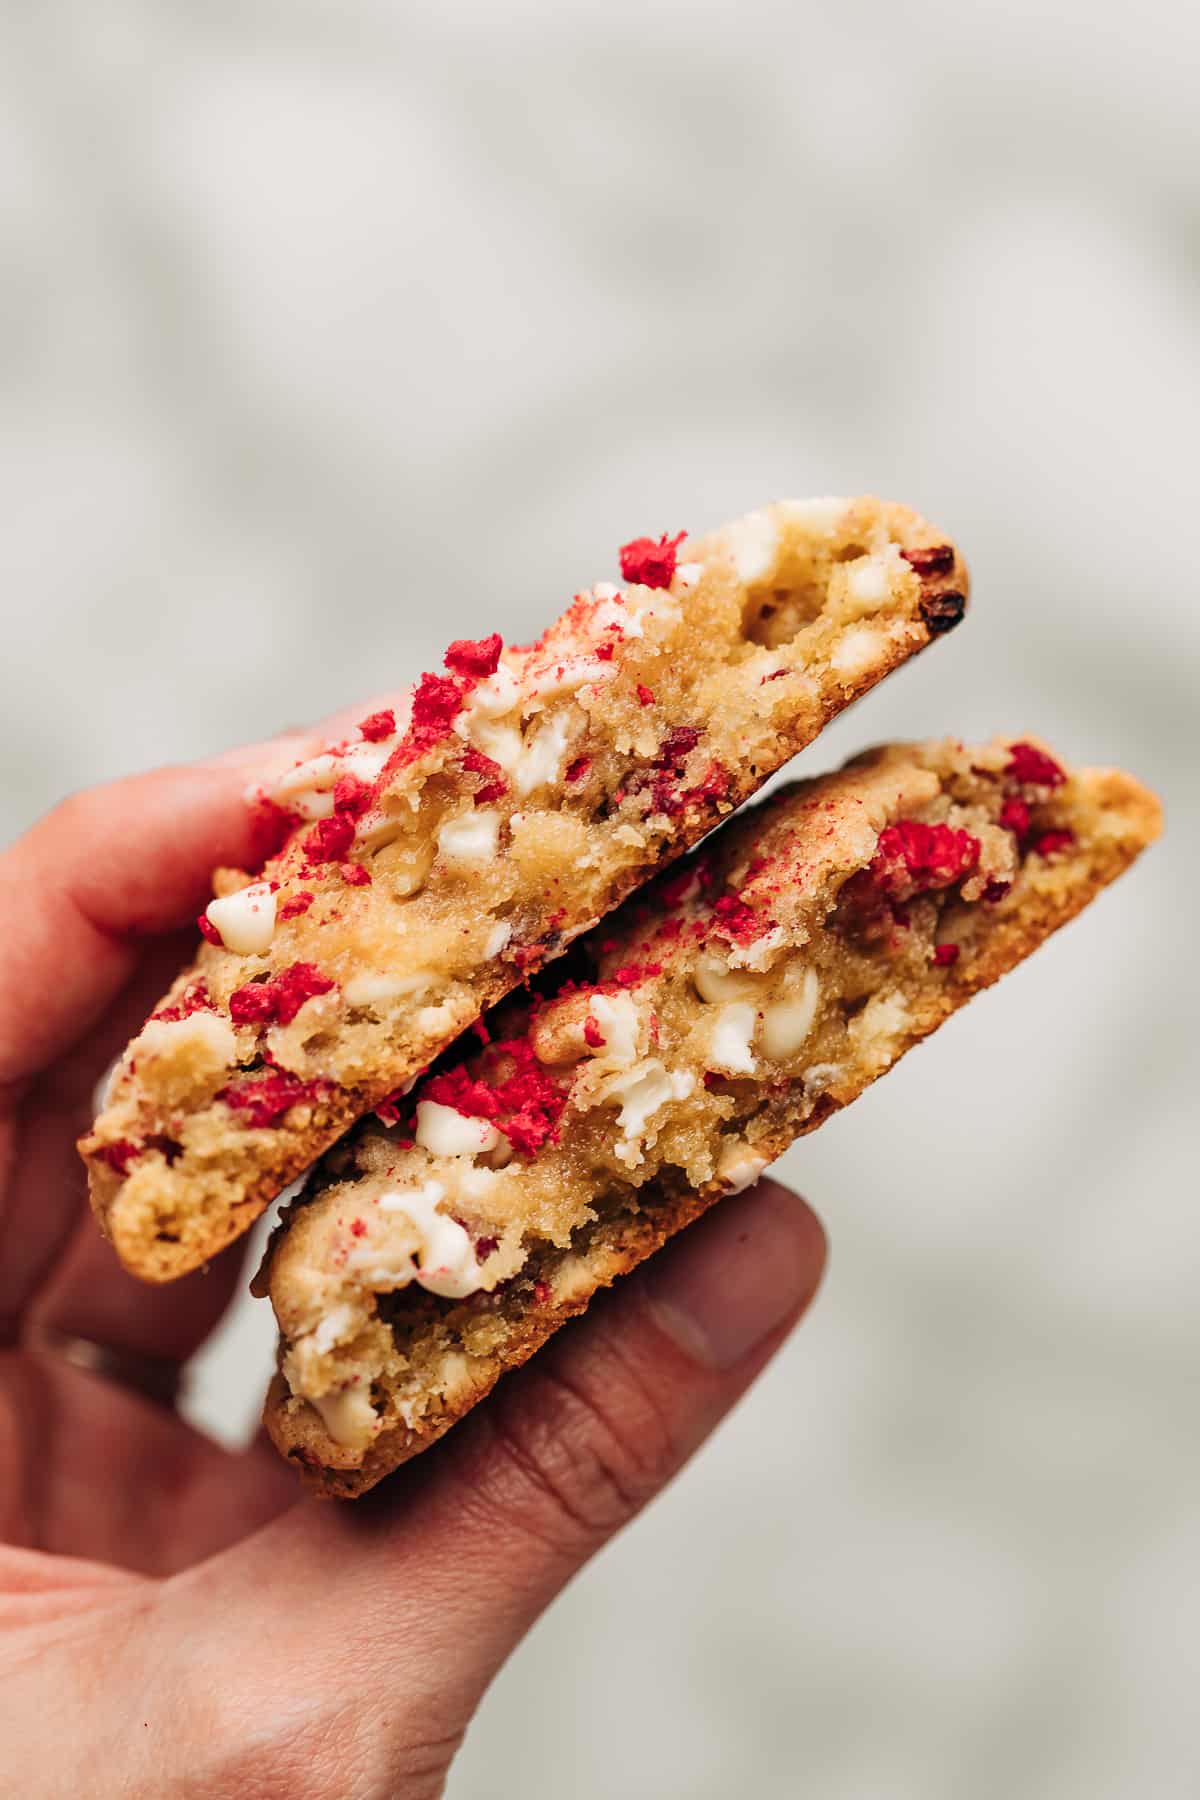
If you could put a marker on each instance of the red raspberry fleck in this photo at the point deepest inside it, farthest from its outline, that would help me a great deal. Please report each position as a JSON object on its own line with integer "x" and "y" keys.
{"x": 715, "y": 785}
{"x": 1028, "y": 764}
{"x": 651, "y": 564}
{"x": 209, "y": 931}
{"x": 579, "y": 770}
{"x": 712, "y": 1080}
{"x": 358, "y": 1227}
{"x": 279, "y": 1000}
{"x": 995, "y": 891}
{"x": 644, "y": 695}
{"x": 914, "y": 858}
{"x": 263, "y": 1099}
{"x": 484, "y": 1247}
{"x": 329, "y": 839}
{"x": 477, "y": 657}
{"x": 593, "y": 1037}
{"x": 1014, "y": 816}
{"x": 194, "y": 998}
{"x": 541, "y": 1292}
{"x": 678, "y": 745}
{"x": 493, "y": 784}
{"x": 633, "y": 974}
{"x": 930, "y": 559}
{"x": 351, "y": 796}
{"x": 604, "y": 652}
{"x": 355, "y": 874}
{"x": 378, "y": 725}
{"x": 295, "y": 904}
{"x": 120, "y": 1154}
{"x": 1050, "y": 842}
{"x": 737, "y": 921}
{"x": 945, "y": 955}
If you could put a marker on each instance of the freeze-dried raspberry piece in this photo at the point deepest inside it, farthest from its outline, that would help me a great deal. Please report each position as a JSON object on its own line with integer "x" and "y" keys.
{"x": 1014, "y": 816}
{"x": 378, "y": 725}
{"x": 644, "y": 694}
{"x": 715, "y": 785}
{"x": 930, "y": 559}
{"x": 329, "y": 839}
{"x": 1050, "y": 842}
{"x": 278, "y": 1001}
{"x": 1029, "y": 765}
{"x": 475, "y": 657}
{"x": 120, "y": 1154}
{"x": 355, "y": 874}
{"x": 735, "y": 920}
{"x": 263, "y": 1099}
{"x": 294, "y": 905}
{"x": 913, "y": 858}
{"x": 525, "y": 1105}
{"x": 194, "y": 998}
{"x": 463, "y": 1092}
{"x": 678, "y": 745}
{"x": 593, "y": 1037}
{"x": 651, "y": 564}
{"x": 942, "y": 611}
{"x": 493, "y": 782}
{"x": 995, "y": 891}
{"x": 633, "y": 974}
{"x": 579, "y": 770}
{"x": 436, "y": 704}
{"x": 209, "y": 932}
{"x": 945, "y": 955}
{"x": 351, "y": 796}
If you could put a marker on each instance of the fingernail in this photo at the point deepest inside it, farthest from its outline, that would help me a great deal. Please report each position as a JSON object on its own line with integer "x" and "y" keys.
{"x": 738, "y": 1275}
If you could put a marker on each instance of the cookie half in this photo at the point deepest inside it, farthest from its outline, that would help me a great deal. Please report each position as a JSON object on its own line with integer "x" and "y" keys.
{"x": 461, "y": 839}
{"x": 725, "y": 1011}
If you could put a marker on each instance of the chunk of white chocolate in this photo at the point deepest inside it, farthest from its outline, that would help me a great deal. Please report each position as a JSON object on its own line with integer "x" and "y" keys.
{"x": 445, "y": 1258}
{"x": 245, "y": 920}
{"x": 444, "y": 1131}
{"x": 471, "y": 839}
{"x": 787, "y": 1022}
{"x": 733, "y": 1030}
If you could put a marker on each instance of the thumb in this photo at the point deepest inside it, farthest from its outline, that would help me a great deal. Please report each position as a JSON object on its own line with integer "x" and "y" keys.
{"x": 412, "y": 1598}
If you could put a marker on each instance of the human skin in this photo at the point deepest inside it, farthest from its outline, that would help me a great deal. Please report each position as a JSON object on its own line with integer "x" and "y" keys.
{"x": 174, "y": 1617}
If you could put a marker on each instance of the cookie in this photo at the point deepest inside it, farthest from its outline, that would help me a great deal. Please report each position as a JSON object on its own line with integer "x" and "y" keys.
{"x": 728, "y": 1009}
{"x": 456, "y": 842}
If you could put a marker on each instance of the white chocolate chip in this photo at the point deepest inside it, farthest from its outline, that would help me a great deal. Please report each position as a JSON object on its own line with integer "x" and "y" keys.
{"x": 787, "y": 1022}
{"x": 716, "y": 982}
{"x": 348, "y": 1417}
{"x": 372, "y": 989}
{"x": 245, "y": 920}
{"x": 497, "y": 939}
{"x": 203, "y": 1035}
{"x": 471, "y": 837}
{"x": 501, "y": 742}
{"x": 754, "y": 542}
{"x": 567, "y": 675}
{"x": 619, "y": 1020}
{"x": 687, "y": 575}
{"x": 614, "y": 611}
{"x": 867, "y": 583}
{"x": 733, "y": 1029}
{"x": 739, "y": 1167}
{"x": 498, "y": 694}
{"x": 860, "y": 650}
{"x": 444, "y": 1131}
{"x": 642, "y": 1090}
{"x": 446, "y": 1262}
{"x": 541, "y": 759}
{"x": 823, "y": 514}
{"x": 339, "y": 1323}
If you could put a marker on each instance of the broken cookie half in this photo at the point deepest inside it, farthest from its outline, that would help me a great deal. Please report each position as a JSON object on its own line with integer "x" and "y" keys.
{"x": 454, "y": 843}
{"x": 679, "y": 1049}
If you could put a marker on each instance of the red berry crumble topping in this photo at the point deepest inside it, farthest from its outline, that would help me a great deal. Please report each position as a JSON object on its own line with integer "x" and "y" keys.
{"x": 651, "y": 564}
{"x": 329, "y": 839}
{"x": 277, "y": 1001}
{"x": 263, "y": 1099}
{"x": 1031, "y": 766}
{"x": 378, "y": 725}
{"x": 476, "y": 658}
{"x": 913, "y": 858}
{"x": 525, "y": 1104}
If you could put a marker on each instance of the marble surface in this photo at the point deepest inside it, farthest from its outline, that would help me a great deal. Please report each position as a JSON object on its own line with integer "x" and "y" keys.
{"x": 328, "y": 332}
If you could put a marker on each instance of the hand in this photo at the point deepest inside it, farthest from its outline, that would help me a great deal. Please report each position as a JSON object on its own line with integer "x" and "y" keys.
{"x": 175, "y": 1618}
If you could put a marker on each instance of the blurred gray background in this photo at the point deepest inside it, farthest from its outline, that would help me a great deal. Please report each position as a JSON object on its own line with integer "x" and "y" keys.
{"x": 330, "y": 331}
